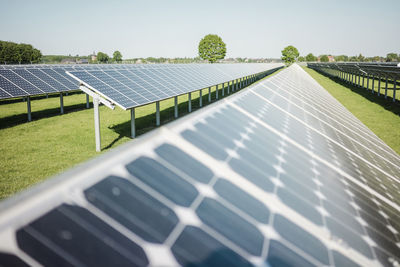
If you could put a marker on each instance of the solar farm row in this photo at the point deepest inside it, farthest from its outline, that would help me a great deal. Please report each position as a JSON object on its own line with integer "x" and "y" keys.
{"x": 279, "y": 174}
{"x": 365, "y": 75}
{"x": 30, "y": 80}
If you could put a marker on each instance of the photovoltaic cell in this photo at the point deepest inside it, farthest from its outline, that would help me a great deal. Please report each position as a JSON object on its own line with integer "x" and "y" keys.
{"x": 263, "y": 178}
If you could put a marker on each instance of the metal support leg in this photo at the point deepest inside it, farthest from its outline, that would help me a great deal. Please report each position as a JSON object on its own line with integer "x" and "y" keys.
{"x": 28, "y": 104}
{"x": 373, "y": 84}
{"x": 216, "y": 91}
{"x": 201, "y": 98}
{"x": 394, "y": 90}
{"x": 97, "y": 124}
{"x": 223, "y": 89}
{"x": 61, "y": 103}
{"x": 87, "y": 101}
{"x": 158, "y": 113}
{"x": 209, "y": 94}
{"x": 386, "y": 87}
{"x": 190, "y": 102}
{"x": 176, "y": 107}
{"x": 133, "y": 127}
{"x": 228, "y": 87}
{"x": 379, "y": 86}
{"x": 363, "y": 78}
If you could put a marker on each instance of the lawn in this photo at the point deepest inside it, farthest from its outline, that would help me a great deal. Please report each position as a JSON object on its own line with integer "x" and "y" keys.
{"x": 380, "y": 115}
{"x": 50, "y": 143}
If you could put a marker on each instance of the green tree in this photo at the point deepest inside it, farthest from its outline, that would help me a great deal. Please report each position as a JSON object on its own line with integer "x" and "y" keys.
{"x": 391, "y": 57}
{"x": 102, "y": 57}
{"x": 301, "y": 59}
{"x": 324, "y": 58}
{"x": 290, "y": 54}
{"x": 212, "y": 48}
{"x": 117, "y": 56}
{"x": 360, "y": 58}
{"x": 310, "y": 57}
{"x": 341, "y": 58}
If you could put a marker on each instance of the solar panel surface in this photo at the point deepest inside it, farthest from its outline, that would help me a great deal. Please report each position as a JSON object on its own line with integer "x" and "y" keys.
{"x": 278, "y": 174}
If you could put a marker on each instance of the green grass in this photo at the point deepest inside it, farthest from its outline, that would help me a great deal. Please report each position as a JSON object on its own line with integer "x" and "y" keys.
{"x": 31, "y": 152}
{"x": 380, "y": 115}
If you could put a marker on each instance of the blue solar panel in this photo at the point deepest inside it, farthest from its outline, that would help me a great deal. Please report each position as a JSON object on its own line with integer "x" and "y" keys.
{"x": 259, "y": 179}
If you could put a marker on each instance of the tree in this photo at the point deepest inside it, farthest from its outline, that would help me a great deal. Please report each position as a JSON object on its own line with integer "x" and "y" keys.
{"x": 117, "y": 56}
{"x": 212, "y": 48}
{"x": 360, "y": 58}
{"x": 290, "y": 54}
{"x": 324, "y": 58}
{"x": 391, "y": 57}
{"x": 341, "y": 58}
{"x": 102, "y": 57}
{"x": 301, "y": 59}
{"x": 310, "y": 57}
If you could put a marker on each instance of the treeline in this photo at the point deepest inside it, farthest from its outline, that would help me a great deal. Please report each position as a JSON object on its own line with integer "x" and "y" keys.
{"x": 391, "y": 57}
{"x": 13, "y": 53}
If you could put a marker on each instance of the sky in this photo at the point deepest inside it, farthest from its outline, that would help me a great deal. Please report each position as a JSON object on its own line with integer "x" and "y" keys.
{"x": 172, "y": 28}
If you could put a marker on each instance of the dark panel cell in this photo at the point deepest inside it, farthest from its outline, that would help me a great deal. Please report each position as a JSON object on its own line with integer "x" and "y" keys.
{"x": 301, "y": 206}
{"x": 11, "y": 260}
{"x": 133, "y": 208}
{"x": 255, "y": 176}
{"x": 280, "y": 255}
{"x": 295, "y": 185}
{"x": 345, "y": 218}
{"x": 215, "y": 134}
{"x": 302, "y": 239}
{"x": 341, "y": 260}
{"x": 383, "y": 242}
{"x": 208, "y": 146}
{"x": 194, "y": 247}
{"x": 230, "y": 225}
{"x": 163, "y": 180}
{"x": 242, "y": 200}
{"x": 385, "y": 258}
{"x": 352, "y": 239}
{"x": 72, "y": 236}
{"x": 185, "y": 163}
{"x": 263, "y": 163}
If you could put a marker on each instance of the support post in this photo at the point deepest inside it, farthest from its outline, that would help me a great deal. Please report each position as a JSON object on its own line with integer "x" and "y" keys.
{"x": 223, "y": 89}
{"x": 386, "y": 87}
{"x": 379, "y": 86}
{"x": 133, "y": 127}
{"x": 394, "y": 90}
{"x": 201, "y": 98}
{"x": 176, "y": 107}
{"x": 216, "y": 91}
{"x": 209, "y": 94}
{"x": 228, "y": 87}
{"x": 157, "y": 113}
{"x": 363, "y": 78}
{"x": 97, "y": 124}
{"x": 61, "y": 103}
{"x": 87, "y": 100}
{"x": 373, "y": 84}
{"x": 190, "y": 102}
{"x": 28, "y": 104}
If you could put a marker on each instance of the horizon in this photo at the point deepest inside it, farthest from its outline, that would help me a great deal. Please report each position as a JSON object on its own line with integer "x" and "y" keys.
{"x": 173, "y": 29}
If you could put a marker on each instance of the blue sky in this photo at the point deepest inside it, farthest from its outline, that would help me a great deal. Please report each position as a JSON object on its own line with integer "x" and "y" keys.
{"x": 172, "y": 28}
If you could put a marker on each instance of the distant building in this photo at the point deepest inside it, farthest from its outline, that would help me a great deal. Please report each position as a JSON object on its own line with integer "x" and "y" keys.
{"x": 331, "y": 59}
{"x": 93, "y": 56}
{"x": 82, "y": 61}
{"x": 68, "y": 61}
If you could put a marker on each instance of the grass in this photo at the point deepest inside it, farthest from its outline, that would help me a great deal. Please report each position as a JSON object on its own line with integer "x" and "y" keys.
{"x": 49, "y": 144}
{"x": 380, "y": 115}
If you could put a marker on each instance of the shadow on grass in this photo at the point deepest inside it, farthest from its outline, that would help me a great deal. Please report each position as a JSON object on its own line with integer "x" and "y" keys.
{"x": 17, "y": 119}
{"x": 387, "y": 103}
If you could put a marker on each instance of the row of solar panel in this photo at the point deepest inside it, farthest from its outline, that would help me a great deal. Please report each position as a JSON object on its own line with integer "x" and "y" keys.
{"x": 254, "y": 180}
{"x": 17, "y": 81}
{"x": 136, "y": 87}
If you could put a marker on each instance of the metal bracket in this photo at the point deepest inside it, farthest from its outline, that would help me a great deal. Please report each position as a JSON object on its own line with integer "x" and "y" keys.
{"x": 97, "y": 96}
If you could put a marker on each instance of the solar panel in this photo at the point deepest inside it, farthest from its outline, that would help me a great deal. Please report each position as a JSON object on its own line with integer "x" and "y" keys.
{"x": 122, "y": 86}
{"x": 262, "y": 178}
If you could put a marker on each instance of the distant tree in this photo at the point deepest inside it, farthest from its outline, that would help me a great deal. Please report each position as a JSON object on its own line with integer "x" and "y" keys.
{"x": 353, "y": 59}
{"x": 360, "y": 58}
{"x": 310, "y": 57}
{"x": 324, "y": 58}
{"x": 301, "y": 59}
{"x": 102, "y": 57}
{"x": 212, "y": 48}
{"x": 290, "y": 54}
{"x": 341, "y": 58}
{"x": 117, "y": 56}
{"x": 391, "y": 57}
